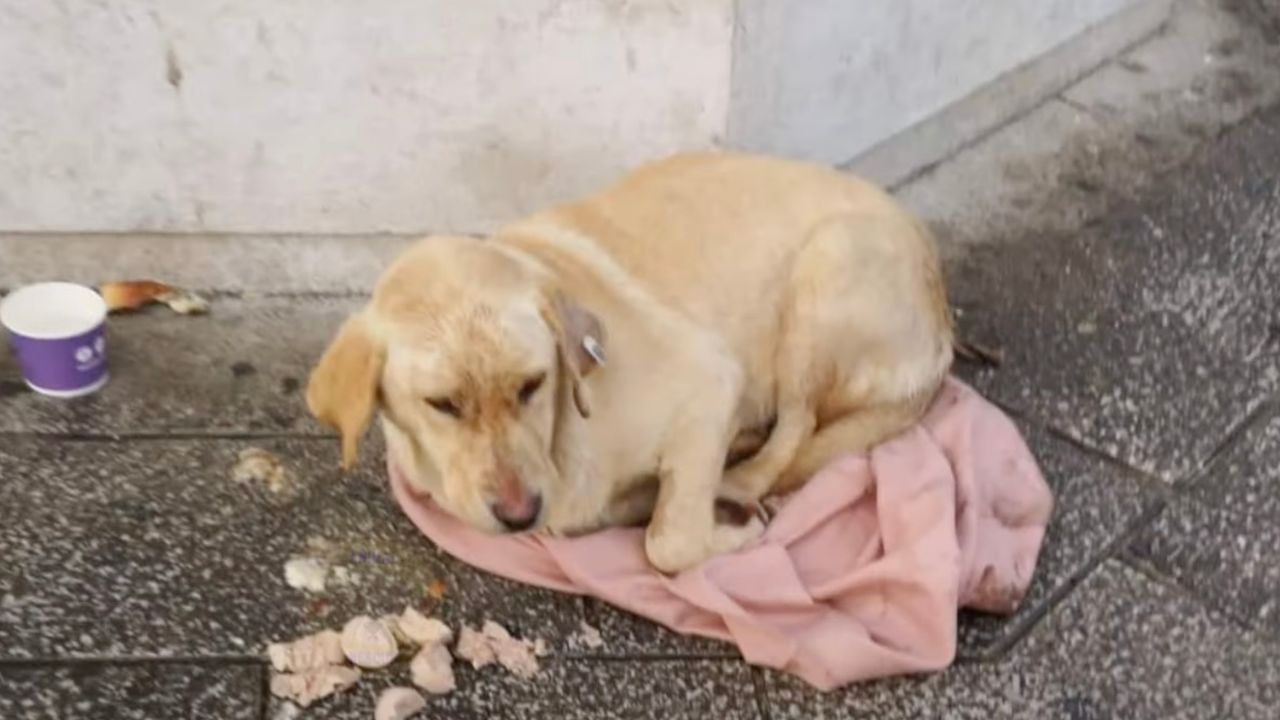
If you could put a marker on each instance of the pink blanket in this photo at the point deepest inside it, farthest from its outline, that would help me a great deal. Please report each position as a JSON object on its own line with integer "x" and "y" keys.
{"x": 858, "y": 575}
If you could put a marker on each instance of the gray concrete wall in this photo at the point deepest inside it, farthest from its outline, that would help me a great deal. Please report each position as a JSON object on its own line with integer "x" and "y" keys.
{"x": 334, "y": 116}
{"x": 828, "y": 79}
{"x": 331, "y": 117}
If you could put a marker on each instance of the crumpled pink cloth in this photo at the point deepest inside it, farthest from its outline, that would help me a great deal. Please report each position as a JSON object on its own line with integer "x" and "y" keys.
{"x": 859, "y": 574}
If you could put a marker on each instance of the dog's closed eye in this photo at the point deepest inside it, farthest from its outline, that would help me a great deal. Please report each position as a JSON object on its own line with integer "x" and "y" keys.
{"x": 530, "y": 387}
{"x": 446, "y": 406}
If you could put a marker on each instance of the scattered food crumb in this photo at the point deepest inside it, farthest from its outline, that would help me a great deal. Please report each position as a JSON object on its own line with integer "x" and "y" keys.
{"x": 344, "y": 577}
{"x": 255, "y": 465}
{"x": 493, "y": 642}
{"x": 185, "y": 303}
{"x": 423, "y": 630}
{"x": 313, "y": 667}
{"x": 308, "y": 686}
{"x": 287, "y": 711}
{"x": 399, "y": 703}
{"x": 134, "y": 294}
{"x": 321, "y": 547}
{"x": 588, "y": 636}
{"x": 474, "y": 648}
{"x": 306, "y": 573}
{"x": 392, "y": 623}
{"x": 307, "y": 653}
{"x": 432, "y": 670}
{"x": 368, "y": 642}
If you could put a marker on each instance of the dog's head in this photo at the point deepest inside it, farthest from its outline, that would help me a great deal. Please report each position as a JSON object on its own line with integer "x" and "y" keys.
{"x": 475, "y": 356}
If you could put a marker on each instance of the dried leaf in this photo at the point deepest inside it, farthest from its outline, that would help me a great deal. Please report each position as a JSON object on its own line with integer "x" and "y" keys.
{"x": 134, "y": 294}
{"x": 980, "y": 354}
{"x": 436, "y": 590}
{"x": 255, "y": 465}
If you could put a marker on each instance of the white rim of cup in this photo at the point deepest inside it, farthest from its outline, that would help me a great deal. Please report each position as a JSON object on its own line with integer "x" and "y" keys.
{"x": 19, "y": 307}
{"x": 68, "y": 394}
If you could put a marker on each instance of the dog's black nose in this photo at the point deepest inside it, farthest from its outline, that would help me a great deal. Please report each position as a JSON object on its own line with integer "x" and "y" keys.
{"x": 521, "y": 517}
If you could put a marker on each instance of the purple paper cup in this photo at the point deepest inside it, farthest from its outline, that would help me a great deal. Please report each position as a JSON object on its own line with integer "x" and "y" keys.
{"x": 58, "y": 331}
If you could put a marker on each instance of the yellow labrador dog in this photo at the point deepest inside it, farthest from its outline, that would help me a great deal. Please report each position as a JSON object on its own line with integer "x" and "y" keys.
{"x": 596, "y": 363}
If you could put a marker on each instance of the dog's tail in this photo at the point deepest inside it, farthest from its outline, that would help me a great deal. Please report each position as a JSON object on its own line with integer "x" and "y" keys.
{"x": 977, "y": 353}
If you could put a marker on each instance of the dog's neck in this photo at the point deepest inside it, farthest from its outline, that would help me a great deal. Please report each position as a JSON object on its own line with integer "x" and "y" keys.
{"x": 582, "y": 494}
{"x": 590, "y": 277}
{"x": 594, "y": 457}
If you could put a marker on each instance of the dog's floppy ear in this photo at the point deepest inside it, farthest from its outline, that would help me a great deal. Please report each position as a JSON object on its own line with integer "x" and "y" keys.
{"x": 343, "y": 388}
{"x": 580, "y": 342}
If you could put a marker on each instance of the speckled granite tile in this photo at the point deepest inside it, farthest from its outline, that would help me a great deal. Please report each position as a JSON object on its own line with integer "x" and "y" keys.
{"x": 1094, "y": 503}
{"x": 628, "y": 635}
{"x": 149, "y": 547}
{"x": 1151, "y": 334}
{"x": 242, "y": 368}
{"x": 1123, "y": 646}
{"x": 134, "y": 691}
{"x": 1219, "y": 540}
{"x": 571, "y": 689}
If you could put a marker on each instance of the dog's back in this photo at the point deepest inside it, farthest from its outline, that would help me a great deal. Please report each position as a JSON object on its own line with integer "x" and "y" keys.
{"x": 700, "y": 228}
{"x": 715, "y": 236}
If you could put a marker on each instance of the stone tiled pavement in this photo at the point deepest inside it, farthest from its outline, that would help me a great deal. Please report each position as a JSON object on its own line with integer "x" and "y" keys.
{"x": 1142, "y": 360}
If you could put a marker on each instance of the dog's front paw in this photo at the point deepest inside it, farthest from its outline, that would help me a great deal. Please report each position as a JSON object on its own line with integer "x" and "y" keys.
{"x": 672, "y": 553}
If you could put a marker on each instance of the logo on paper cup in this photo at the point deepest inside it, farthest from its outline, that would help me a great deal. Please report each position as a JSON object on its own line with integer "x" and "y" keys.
{"x": 88, "y": 358}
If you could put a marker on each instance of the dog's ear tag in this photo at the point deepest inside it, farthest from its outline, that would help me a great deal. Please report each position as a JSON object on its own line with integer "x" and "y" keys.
{"x": 593, "y": 348}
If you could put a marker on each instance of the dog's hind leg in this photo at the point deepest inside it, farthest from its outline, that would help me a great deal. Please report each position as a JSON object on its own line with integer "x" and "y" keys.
{"x": 856, "y": 432}
{"x": 753, "y": 478}
{"x": 864, "y": 336}
{"x": 814, "y": 282}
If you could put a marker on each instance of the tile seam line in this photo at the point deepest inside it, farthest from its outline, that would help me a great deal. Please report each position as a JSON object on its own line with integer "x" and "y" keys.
{"x": 1155, "y": 575}
{"x": 18, "y": 234}
{"x": 237, "y": 660}
{"x": 83, "y": 437}
{"x": 53, "y": 661}
{"x": 927, "y": 169}
{"x": 1082, "y": 446}
{"x": 1116, "y": 549}
{"x": 248, "y": 295}
{"x": 1235, "y": 435}
{"x": 760, "y": 691}
{"x": 262, "y": 688}
{"x": 1001, "y": 648}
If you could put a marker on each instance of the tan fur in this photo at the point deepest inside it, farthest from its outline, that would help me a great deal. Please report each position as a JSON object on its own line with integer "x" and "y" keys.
{"x": 344, "y": 386}
{"x": 731, "y": 292}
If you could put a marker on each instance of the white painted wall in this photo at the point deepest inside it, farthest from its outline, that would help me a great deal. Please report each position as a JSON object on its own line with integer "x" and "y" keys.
{"x": 333, "y": 116}
{"x": 828, "y": 79}
{"x": 340, "y": 116}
